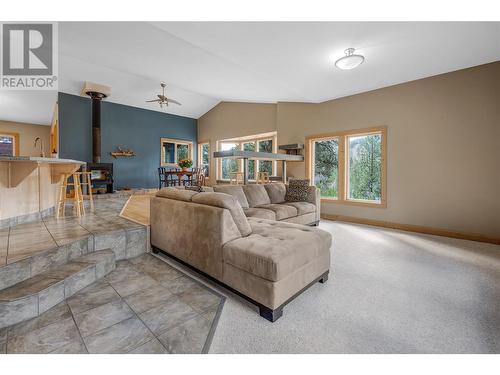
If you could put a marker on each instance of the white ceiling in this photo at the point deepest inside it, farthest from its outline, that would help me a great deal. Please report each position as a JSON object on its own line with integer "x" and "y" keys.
{"x": 206, "y": 62}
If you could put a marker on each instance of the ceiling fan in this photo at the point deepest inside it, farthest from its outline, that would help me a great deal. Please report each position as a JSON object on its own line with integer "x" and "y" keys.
{"x": 162, "y": 99}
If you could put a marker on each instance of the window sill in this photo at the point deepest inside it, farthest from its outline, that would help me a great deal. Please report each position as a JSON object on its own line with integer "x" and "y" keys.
{"x": 352, "y": 202}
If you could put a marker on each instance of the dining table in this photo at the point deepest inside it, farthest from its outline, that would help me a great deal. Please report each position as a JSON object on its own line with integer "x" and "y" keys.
{"x": 180, "y": 176}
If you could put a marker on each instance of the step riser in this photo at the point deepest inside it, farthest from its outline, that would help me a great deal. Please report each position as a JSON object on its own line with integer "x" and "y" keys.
{"x": 13, "y": 312}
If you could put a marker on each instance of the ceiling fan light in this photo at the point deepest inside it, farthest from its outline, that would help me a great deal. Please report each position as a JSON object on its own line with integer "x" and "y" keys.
{"x": 350, "y": 60}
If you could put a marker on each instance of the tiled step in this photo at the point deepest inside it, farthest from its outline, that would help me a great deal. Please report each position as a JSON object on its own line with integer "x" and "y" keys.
{"x": 39, "y": 262}
{"x": 36, "y": 295}
{"x": 125, "y": 243}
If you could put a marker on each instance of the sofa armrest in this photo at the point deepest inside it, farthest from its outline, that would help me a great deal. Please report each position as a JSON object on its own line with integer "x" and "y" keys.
{"x": 314, "y": 197}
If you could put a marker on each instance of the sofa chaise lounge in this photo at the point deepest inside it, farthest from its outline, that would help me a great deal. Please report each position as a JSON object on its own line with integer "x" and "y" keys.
{"x": 267, "y": 262}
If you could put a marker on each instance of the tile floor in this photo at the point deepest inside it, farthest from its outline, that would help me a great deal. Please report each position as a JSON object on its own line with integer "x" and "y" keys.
{"x": 24, "y": 240}
{"x": 143, "y": 306}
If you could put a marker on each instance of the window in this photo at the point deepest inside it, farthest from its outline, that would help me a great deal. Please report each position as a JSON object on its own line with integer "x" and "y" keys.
{"x": 266, "y": 165}
{"x": 349, "y": 167}
{"x": 262, "y": 143}
{"x": 229, "y": 165}
{"x": 365, "y": 167}
{"x": 250, "y": 146}
{"x": 204, "y": 157}
{"x": 173, "y": 150}
{"x": 9, "y": 144}
{"x": 326, "y": 167}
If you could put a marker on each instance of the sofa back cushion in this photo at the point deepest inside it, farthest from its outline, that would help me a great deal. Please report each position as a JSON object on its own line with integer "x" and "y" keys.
{"x": 276, "y": 192}
{"x": 235, "y": 191}
{"x": 229, "y": 202}
{"x": 177, "y": 194}
{"x": 256, "y": 195}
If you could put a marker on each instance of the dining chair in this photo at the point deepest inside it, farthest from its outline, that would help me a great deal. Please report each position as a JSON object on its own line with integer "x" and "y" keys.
{"x": 167, "y": 177}
{"x": 193, "y": 179}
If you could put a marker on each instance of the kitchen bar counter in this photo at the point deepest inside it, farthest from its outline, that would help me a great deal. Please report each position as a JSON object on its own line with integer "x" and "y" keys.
{"x": 39, "y": 159}
{"x": 28, "y": 186}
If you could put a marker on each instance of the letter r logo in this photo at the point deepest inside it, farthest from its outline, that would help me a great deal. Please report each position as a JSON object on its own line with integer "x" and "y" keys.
{"x": 27, "y": 49}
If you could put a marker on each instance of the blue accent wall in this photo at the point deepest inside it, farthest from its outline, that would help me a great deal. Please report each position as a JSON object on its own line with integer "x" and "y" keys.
{"x": 135, "y": 128}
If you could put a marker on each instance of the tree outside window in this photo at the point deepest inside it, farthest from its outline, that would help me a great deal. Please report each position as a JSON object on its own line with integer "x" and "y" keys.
{"x": 326, "y": 167}
{"x": 365, "y": 167}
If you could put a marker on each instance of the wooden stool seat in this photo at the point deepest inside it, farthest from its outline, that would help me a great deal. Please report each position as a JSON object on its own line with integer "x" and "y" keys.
{"x": 236, "y": 178}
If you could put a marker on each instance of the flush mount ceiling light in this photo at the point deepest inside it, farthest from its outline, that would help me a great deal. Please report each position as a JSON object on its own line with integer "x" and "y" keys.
{"x": 350, "y": 60}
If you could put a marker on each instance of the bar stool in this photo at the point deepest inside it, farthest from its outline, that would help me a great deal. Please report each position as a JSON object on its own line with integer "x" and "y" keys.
{"x": 236, "y": 178}
{"x": 263, "y": 178}
{"x": 84, "y": 179}
{"x": 77, "y": 199}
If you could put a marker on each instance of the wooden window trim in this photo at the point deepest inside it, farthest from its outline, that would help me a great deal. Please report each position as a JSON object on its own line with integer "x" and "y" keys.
{"x": 176, "y": 142}
{"x": 343, "y": 137}
{"x": 16, "y": 140}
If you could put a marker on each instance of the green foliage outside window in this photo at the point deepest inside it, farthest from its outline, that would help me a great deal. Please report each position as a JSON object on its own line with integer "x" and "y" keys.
{"x": 251, "y": 163}
{"x": 205, "y": 158}
{"x": 365, "y": 163}
{"x": 326, "y": 167}
{"x": 182, "y": 152}
{"x": 266, "y": 165}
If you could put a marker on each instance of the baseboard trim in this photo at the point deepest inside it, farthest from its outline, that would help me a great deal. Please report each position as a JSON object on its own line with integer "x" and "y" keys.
{"x": 414, "y": 228}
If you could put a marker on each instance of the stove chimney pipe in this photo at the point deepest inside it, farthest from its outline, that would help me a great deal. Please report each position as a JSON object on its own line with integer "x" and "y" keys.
{"x": 96, "y": 98}
{"x": 97, "y": 93}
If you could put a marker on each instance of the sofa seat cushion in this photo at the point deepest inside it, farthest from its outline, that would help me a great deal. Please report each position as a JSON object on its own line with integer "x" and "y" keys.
{"x": 275, "y": 250}
{"x": 302, "y": 207}
{"x": 256, "y": 195}
{"x": 235, "y": 191}
{"x": 228, "y": 202}
{"x": 276, "y": 192}
{"x": 282, "y": 211}
{"x": 260, "y": 213}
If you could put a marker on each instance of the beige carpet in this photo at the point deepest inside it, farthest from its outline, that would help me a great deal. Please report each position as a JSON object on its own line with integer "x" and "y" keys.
{"x": 137, "y": 209}
{"x": 389, "y": 292}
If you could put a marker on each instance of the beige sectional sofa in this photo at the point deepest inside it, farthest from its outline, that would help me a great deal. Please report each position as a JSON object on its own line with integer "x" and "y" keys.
{"x": 266, "y": 261}
{"x": 268, "y": 202}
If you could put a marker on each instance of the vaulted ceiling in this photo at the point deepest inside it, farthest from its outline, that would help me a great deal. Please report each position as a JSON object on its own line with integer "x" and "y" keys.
{"x": 204, "y": 63}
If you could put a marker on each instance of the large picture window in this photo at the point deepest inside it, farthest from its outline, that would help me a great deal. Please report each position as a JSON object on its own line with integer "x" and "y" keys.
{"x": 349, "y": 167}
{"x": 252, "y": 143}
{"x": 173, "y": 150}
